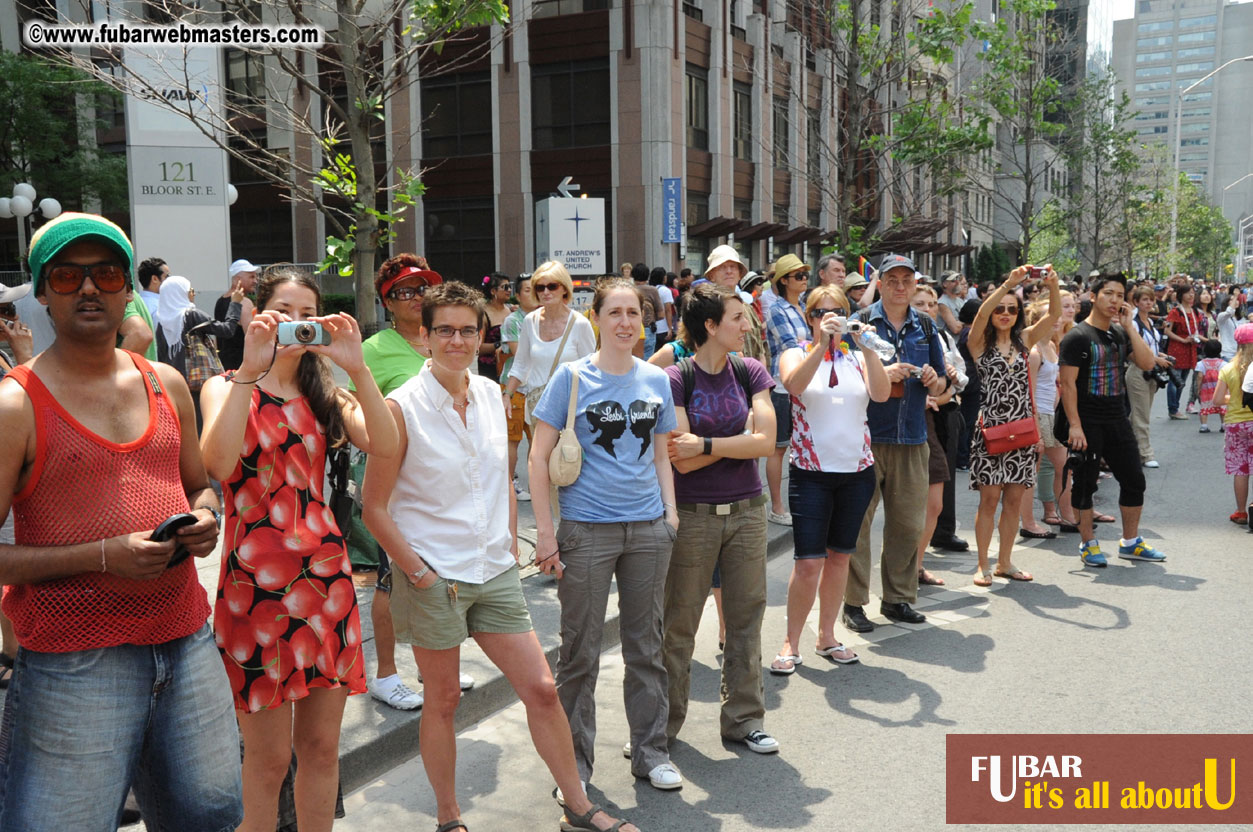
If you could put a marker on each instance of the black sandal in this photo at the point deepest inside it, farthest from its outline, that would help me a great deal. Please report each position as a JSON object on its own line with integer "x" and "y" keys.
{"x": 449, "y": 826}
{"x": 583, "y": 822}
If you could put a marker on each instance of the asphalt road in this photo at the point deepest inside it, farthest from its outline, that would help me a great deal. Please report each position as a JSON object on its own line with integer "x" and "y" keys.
{"x": 1133, "y": 648}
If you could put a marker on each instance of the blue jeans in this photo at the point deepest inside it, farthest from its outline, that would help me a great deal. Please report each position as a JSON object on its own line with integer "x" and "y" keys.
{"x": 1178, "y": 379}
{"x": 650, "y": 343}
{"x": 81, "y": 728}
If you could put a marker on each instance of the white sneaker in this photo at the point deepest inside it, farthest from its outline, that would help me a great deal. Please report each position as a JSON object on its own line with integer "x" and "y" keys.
{"x": 761, "y": 742}
{"x": 665, "y": 777}
{"x": 396, "y": 694}
{"x": 1152, "y": 463}
{"x": 466, "y": 680}
{"x": 784, "y": 519}
{"x": 626, "y": 750}
{"x": 522, "y": 494}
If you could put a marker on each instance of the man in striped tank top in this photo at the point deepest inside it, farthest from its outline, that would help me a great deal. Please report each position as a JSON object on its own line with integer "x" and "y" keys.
{"x": 117, "y": 682}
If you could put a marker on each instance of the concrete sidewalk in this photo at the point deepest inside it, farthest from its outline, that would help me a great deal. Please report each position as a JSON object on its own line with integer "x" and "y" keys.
{"x": 376, "y": 738}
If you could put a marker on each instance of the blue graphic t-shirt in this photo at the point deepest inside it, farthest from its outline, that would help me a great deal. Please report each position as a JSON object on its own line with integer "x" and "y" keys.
{"x": 618, "y": 419}
{"x": 1101, "y": 356}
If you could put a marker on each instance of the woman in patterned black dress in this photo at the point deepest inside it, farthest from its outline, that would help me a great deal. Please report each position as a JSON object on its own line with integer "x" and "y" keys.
{"x": 1000, "y": 346}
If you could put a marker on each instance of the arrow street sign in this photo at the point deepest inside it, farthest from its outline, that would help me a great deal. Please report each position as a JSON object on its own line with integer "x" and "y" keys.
{"x": 566, "y": 186}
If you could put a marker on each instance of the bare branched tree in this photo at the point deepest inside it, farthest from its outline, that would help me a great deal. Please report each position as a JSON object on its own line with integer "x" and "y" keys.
{"x": 328, "y": 104}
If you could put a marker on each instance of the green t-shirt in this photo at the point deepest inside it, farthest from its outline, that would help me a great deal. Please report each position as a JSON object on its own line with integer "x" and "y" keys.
{"x": 138, "y": 307}
{"x": 390, "y": 359}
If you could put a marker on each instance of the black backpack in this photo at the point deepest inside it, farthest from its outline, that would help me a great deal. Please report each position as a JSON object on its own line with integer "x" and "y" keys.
{"x": 687, "y": 372}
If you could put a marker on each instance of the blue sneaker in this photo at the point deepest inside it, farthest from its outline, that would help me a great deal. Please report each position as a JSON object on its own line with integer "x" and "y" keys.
{"x": 1090, "y": 554}
{"x": 1140, "y": 550}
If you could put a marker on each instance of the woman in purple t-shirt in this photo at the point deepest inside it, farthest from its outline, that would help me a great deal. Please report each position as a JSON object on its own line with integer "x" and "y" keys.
{"x": 721, "y": 508}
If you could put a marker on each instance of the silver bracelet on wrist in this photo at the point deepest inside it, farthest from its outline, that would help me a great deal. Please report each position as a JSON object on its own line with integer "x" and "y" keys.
{"x": 421, "y": 573}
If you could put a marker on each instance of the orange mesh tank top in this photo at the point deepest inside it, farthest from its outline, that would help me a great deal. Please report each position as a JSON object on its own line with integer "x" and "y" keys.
{"x": 84, "y": 488}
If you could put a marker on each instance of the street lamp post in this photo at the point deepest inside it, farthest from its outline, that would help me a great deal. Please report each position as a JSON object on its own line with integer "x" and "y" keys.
{"x": 1174, "y": 203}
{"x": 1229, "y": 187}
{"x": 1242, "y": 268}
{"x": 20, "y": 206}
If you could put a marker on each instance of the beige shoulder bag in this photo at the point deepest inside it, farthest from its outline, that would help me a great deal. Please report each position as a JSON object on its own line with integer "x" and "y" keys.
{"x": 566, "y": 460}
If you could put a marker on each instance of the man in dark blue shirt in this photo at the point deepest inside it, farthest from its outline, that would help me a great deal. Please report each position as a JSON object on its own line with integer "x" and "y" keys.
{"x": 898, "y": 440}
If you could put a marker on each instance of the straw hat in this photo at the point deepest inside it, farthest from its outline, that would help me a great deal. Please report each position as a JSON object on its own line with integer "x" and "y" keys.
{"x": 725, "y": 254}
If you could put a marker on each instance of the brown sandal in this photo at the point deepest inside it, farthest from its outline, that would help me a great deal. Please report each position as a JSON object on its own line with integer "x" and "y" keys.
{"x": 927, "y": 579}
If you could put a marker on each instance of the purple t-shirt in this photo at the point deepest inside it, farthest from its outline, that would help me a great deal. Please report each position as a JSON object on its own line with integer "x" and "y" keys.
{"x": 718, "y": 407}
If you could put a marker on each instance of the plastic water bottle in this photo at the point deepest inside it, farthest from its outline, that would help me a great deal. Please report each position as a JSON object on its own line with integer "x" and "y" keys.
{"x": 870, "y": 340}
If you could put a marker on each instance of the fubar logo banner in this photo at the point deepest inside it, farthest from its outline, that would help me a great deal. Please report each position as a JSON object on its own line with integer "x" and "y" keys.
{"x": 1099, "y": 778}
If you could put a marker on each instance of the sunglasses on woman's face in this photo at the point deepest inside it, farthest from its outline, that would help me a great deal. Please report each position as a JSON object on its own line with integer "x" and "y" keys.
{"x": 547, "y": 287}
{"x": 407, "y": 293}
{"x": 1005, "y": 310}
{"x": 822, "y": 313}
{"x": 67, "y": 278}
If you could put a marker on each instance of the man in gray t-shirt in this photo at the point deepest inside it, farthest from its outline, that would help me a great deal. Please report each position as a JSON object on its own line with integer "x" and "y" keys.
{"x": 952, "y": 296}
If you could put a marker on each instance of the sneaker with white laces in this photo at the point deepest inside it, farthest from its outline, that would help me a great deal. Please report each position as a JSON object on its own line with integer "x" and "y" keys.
{"x": 521, "y": 493}
{"x": 665, "y": 777}
{"x": 761, "y": 742}
{"x": 394, "y": 693}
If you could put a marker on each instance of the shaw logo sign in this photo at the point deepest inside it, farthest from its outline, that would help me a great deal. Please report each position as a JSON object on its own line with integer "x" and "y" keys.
{"x": 1099, "y": 778}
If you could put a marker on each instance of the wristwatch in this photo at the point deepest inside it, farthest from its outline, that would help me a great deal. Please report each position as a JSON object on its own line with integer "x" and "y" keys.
{"x": 217, "y": 516}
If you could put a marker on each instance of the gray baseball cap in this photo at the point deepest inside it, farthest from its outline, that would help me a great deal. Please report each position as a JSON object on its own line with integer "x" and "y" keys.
{"x": 896, "y": 261}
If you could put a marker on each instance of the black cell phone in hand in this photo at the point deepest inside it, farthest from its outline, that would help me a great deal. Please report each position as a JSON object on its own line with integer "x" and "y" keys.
{"x": 166, "y": 531}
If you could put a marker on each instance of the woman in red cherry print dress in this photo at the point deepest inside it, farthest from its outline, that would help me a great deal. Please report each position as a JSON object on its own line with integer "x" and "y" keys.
{"x": 286, "y": 616}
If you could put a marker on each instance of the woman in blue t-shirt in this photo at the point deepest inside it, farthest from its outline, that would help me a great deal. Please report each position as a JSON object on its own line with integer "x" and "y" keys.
{"x": 617, "y": 519}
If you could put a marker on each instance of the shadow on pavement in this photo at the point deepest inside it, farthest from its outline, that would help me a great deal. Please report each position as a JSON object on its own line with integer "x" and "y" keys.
{"x": 940, "y": 646}
{"x": 1049, "y": 601}
{"x": 884, "y": 687}
{"x": 759, "y": 807}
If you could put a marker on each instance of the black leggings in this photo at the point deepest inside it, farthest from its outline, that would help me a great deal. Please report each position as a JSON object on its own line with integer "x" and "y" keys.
{"x": 1117, "y": 445}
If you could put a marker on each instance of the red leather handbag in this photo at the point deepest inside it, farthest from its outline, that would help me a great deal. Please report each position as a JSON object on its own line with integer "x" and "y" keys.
{"x": 1020, "y": 433}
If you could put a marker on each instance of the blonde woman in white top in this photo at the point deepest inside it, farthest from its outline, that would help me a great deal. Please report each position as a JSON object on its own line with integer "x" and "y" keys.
{"x": 542, "y": 333}
{"x": 444, "y": 510}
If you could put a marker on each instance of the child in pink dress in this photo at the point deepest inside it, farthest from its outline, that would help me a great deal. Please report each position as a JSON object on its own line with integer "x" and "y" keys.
{"x": 1207, "y": 369}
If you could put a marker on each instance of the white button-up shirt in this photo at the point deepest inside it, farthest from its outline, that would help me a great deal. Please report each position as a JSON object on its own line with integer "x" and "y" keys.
{"x": 451, "y": 500}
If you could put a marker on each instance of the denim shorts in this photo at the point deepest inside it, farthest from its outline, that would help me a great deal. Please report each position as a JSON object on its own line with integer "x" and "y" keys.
{"x": 782, "y": 418}
{"x": 81, "y": 728}
{"x": 827, "y": 510}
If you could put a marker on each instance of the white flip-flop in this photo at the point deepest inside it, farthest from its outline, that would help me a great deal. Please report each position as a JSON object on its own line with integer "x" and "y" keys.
{"x": 778, "y": 671}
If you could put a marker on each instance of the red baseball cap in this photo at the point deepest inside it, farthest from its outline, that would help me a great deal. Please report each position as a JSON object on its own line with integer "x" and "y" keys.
{"x": 431, "y": 278}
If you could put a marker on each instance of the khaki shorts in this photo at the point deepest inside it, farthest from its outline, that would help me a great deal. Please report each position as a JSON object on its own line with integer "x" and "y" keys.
{"x": 435, "y": 619}
{"x": 517, "y": 425}
{"x": 1045, "y": 422}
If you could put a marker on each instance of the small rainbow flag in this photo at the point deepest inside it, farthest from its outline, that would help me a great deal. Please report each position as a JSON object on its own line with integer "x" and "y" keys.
{"x": 863, "y": 266}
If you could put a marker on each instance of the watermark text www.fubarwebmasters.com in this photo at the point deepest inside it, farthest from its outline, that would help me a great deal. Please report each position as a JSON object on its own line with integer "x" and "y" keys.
{"x": 38, "y": 34}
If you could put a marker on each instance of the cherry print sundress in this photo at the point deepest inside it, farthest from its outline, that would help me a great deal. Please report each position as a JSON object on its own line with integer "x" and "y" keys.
{"x": 286, "y": 617}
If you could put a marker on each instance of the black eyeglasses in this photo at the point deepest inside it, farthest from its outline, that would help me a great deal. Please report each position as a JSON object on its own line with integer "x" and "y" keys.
{"x": 67, "y": 278}
{"x": 407, "y": 292}
{"x": 467, "y": 333}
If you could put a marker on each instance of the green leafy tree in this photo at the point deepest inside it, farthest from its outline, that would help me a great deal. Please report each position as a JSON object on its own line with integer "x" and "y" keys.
{"x": 991, "y": 263}
{"x": 1052, "y": 243}
{"x": 1101, "y": 148}
{"x": 334, "y": 100}
{"x": 1018, "y": 94}
{"x": 48, "y": 139}
{"x": 893, "y": 129}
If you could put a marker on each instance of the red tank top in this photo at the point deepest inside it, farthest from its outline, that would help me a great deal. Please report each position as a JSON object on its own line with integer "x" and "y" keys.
{"x": 84, "y": 488}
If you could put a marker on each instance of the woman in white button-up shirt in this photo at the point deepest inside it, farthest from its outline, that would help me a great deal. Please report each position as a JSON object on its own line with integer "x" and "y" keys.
{"x": 444, "y": 510}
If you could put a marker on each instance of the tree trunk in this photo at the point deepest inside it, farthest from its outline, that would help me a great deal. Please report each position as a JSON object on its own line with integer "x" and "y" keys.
{"x": 358, "y": 127}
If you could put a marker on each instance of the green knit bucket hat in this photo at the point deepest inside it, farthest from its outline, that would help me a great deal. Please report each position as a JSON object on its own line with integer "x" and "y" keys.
{"x": 72, "y": 227}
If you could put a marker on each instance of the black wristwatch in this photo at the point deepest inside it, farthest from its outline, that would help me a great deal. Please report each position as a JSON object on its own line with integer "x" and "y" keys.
{"x": 217, "y": 516}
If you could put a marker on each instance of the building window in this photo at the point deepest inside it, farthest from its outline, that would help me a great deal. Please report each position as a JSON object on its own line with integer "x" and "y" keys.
{"x": 453, "y": 108}
{"x": 1200, "y": 66}
{"x": 1150, "y": 72}
{"x": 1201, "y": 142}
{"x": 1148, "y": 131}
{"x": 742, "y": 97}
{"x": 1150, "y": 57}
{"x": 1198, "y": 52}
{"x": 1193, "y": 97}
{"x": 1148, "y": 28}
{"x": 1200, "y": 112}
{"x": 245, "y": 82}
{"x": 1193, "y": 22}
{"x": 692, "y": 9}
{"x": 569, "y": 104}
{"x": 1197, "y": 37}
{"x": 781, "y": 133}
{"x": 1149, "y": 43}
{"x": 697, "y": 108}
{"x": 263, "y": 235}
{"x": 743, "y": 209}
{"x": 461, "y": 237}
{"x": 1146, "y": 116}
{"x": 1195, "y": 127}
{"x": 553, "y": 8}
{"x": 1153, "y": 102}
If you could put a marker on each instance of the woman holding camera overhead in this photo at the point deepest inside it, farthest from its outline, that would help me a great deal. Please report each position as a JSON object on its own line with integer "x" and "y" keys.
{"x": 1002, "y": 444}
{"x": 1184, "y": 331}
{"x": 286, "y": 616}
